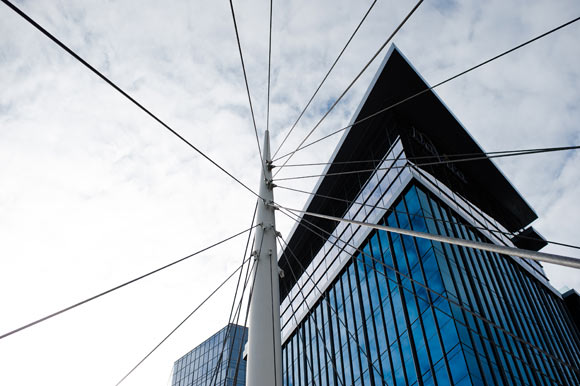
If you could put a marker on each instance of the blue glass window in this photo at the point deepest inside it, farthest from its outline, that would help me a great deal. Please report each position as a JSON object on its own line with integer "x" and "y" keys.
{"x": 452, "y": 332}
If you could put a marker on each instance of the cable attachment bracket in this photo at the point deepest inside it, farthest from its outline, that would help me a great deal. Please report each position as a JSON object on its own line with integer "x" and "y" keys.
{"x": 270, "y": 184}
{"x": 268, "y": 227}
{"x": 272, "y": 205}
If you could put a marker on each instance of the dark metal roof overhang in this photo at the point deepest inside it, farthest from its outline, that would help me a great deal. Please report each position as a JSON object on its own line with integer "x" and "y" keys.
{"x": 427, "y": 129}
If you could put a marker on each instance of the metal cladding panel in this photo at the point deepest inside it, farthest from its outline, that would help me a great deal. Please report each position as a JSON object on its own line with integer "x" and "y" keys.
{"x": 428, "y": 130}
{"x": 529, "y": 239}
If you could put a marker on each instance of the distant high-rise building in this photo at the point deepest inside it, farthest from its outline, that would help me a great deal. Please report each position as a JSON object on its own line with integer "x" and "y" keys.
{"x": 198, "y": 367}
{"x": 361, "y": 306}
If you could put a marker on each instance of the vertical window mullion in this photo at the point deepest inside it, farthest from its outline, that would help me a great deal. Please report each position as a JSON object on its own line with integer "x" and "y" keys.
{"x": 384, "y": 278}
{"x": 431, "y": 207}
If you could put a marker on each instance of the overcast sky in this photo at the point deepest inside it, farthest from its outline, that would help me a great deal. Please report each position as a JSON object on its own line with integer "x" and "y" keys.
{"x": 93, "y": 192}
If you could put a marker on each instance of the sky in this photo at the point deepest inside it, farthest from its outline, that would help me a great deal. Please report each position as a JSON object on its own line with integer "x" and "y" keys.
{"x": 93, "y": 192}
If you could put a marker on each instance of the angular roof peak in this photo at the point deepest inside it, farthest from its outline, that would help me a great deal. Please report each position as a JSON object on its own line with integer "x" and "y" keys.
{"x": 441, "y": 136}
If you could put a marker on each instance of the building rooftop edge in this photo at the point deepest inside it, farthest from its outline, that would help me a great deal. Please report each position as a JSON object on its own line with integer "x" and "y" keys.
{"x": 396, "y": 79}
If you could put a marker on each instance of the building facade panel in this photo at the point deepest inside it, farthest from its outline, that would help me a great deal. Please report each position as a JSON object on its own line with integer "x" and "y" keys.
{"x": 408, "y": 311}
{"x": 216, "y": 362}
{"x": 367, "y": 307}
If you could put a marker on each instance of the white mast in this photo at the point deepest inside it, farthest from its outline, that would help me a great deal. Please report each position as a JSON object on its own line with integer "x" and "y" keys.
{"x": 264, "y": 363}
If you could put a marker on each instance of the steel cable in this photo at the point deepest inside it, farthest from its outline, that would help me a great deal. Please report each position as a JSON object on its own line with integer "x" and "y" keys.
{"x": 122, "y": 92}
{"x": 325, "y": 77}
{"x": 353, "y": 81}
{"x": 301, "y": 147}
{"x": 118, "y": 286}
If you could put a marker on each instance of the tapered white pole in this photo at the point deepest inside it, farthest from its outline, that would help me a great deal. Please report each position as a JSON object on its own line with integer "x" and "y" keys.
{"x": 264, "y": 354}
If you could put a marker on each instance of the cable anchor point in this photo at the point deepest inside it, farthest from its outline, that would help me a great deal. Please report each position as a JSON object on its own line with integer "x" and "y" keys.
{"x": 273, "y": 205}
{"x": 270, "y": 184}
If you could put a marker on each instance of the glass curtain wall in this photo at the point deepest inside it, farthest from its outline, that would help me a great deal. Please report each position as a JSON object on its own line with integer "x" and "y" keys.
{"x": 407, "y": 311}
{"x": 198, "y": 367}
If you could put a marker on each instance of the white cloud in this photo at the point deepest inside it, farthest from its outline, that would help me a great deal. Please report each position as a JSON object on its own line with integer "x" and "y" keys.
{"x": 93, "y": 192}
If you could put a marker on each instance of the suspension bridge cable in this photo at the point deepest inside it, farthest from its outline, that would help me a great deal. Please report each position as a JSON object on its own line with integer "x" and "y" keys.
{"x": 238, "y": 314}
{"x": 182, "y": 322}
{"x": 325, "y": 77}
{"x": 354, "y": 81}
{"x": 427, "y": 288}
{"x": 429, "y": 88}
{"x": 119, "y": 286}
{"x": 121, "y": 91}
{"x": 269, "y": 70}
{"x": 392, "y": 210}
{"x": 274, "y": 348}
{"x": 246, "y": 82}
{"x": 255, "y": 268}
{"x": 230, "y": 319}
{"x": 441, "y": 162}
{"x": 239, "y": 310}
{"x": 437, "y": 157}
{"x": 539, "y": 256}
{"x": 272, "y": 314}
{"x": 256, "y": 254}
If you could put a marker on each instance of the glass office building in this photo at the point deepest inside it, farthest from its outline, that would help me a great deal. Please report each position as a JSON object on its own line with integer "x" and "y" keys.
{"x": 366, "y": 307}
{"x": 206, "y": 365}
